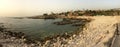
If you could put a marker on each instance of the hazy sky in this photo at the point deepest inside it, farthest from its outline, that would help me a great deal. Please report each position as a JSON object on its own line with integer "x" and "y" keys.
{"x": 36, "y": 7}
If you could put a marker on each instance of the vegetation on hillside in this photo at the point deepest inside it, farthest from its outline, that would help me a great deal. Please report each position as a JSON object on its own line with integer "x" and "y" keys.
{"x": 109, "y": 12}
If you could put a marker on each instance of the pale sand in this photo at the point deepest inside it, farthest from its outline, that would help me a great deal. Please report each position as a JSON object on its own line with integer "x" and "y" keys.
{"x": 97, "y": 33}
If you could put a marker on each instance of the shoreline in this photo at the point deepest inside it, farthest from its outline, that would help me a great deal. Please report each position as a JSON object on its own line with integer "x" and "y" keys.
{"x": 28, "y": 42}
{"x": 97, "y": 33}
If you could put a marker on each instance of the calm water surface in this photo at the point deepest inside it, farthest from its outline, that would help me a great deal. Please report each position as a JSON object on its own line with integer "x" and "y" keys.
{"x": 36, "y": 28}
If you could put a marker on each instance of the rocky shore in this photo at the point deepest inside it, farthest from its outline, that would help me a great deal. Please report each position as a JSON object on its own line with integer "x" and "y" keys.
{"x": 74, "y": 22}
{"x": 11, "y": 39}
{"x": 97, "y": 33}
{"x": 18, "y": 39}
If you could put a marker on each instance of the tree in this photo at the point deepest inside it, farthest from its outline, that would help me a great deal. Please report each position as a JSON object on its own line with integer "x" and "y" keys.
{"x": 45, "y": 14}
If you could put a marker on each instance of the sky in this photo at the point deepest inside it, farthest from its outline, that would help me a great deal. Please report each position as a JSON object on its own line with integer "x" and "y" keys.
{"x": 21, "y": 8}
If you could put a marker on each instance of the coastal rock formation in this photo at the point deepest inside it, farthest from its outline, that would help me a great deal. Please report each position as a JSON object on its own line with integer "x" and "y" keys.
{"x": 97, "y": 33}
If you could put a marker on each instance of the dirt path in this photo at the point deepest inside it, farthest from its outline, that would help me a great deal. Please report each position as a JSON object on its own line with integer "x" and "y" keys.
{"x": 116, "y": 38}
{"x": 116, "y": 41}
